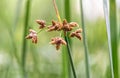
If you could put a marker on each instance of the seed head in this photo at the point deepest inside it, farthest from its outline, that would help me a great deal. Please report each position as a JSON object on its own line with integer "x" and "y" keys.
{"x": 57, "y": 41}
{"x": 55, "y": 26}
{"x": 32, "y": 35}
{"x": 77, "y": 34}
{"x": 41, "y": 23}
{"x": 66, "y": 26}
{"x": 73, "y": 24}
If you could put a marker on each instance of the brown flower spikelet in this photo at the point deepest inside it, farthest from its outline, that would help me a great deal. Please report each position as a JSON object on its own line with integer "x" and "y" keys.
{"x": 68, "y": 26}
{"x": 73, "y": 24}
{"x": 41, "y": 23}
{"x": 57, "y": 41}
{"x": 77, "y": 34}
{"x": 55, "y": 26}
{"x": 65, "y": 26}
{"x": 32, "y": 35}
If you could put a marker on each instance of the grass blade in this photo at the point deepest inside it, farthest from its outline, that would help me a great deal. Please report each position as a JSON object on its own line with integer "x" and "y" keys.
{"x": 70, "y": 56}
{"x": 24, "y": 46}
{"x": 67, "y": 17}
{"x": 114, "y": 41}
{"x": 12, "y": 30}
{"x": 17, "y": 13}
{"x": 67, "y": 10}
{"x": 85, "y": 42}
{"x": 65, "y": 63}
{"x": 105, "y": 6}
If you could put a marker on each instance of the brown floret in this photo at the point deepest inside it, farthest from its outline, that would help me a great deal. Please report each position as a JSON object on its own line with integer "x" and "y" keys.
{"x": 57, "y": 41}
{"x": 41, "y": 23}
{"x": 32, "y": 35}
{"x": 77, "y": 34}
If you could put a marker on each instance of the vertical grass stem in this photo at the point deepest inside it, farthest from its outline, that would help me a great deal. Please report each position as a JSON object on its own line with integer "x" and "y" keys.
{"x": 85, "y": 42}
{"x": 70, "y": 57}
{"x": 24, "y": 48}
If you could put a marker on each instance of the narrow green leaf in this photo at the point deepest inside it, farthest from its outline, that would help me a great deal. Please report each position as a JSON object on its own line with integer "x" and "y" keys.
{"x": 24, "y": 46}
{"x": 12, "y": 30}
{"x": 114, "y": 41}
{"x": 85, "y": 42}
{"x": 17, "y": 13}
{"x": 70, "y": 57}
{"x": 65, "y": 71}
{"x": 67, "y": 10}
{"x": 65, "y": 56}
{"x": 105, "y": 6}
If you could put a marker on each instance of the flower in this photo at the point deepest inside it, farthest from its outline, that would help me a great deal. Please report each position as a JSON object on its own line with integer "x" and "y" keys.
{"x": 68, "y": 26}
{"x": 58, "y": 42}
{"x": 32, "y": 35}
{"x": 55, "y": 26}
{"x": 77, "y": 34}
{"x": 73, "y": 24}
{"x": 41, "y": 23}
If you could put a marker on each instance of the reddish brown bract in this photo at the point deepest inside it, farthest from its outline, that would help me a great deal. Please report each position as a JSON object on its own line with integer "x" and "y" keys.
{"x": 41, "y": 23}
{"x": 32, "y": 35}
{"x": 55, "y": 26}
{"x": 58, "y": 42}
{"x": 77, "y": 34}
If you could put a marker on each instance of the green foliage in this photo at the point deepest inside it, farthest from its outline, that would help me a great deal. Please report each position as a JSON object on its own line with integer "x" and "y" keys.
{"x": 42, "y": 60}
{"x": 24, "y": 46}
{"x": 85, "y": 42}
{"x": 114, "y": 36}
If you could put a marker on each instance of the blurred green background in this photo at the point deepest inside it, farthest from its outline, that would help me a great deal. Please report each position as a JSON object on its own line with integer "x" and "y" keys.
{"x": 42, "y": 60}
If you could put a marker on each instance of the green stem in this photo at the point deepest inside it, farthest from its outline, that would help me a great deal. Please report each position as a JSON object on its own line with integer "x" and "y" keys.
{"x": 66, "y": 38}
{"x": 68, "y": 18}
{"x": 114, "y": 41}
{"x": 85, "y": 42}
{"x": 24, "y": 48}
{"x": 41, "y": 30}
{"x": 70, "y": 57}
{"x": 65, "y": 73}
{"x": 67, "y": 10}
{"x": 17, "y": 13}
{"x": 11, "y": 31}
{"x": 105, "y": 6}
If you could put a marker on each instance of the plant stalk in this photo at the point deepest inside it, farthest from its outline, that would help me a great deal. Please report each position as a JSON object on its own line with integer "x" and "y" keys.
{"x": 67, "y": 41}
{"x": 105, "y": 6}
{"x": 70, "y": 57}
{"x": 57, "y": 12}
{"x": 24, "y": 48}
{"x": 68, "y": 18}
{"x": 114, "y": 40}
{"x": 85, "y": 42}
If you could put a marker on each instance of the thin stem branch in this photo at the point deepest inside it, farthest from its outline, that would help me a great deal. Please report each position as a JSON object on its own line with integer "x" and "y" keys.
{"x": 56, "y": 10}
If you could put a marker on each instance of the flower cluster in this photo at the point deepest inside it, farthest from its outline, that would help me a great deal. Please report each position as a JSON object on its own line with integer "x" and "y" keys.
{"x": 65, "y": 26}
{"x": 32, "y": 35}
{"x": 41, "y": 23}
{"x": 56, "y": 26}
{"x": 68, "y": 26}
{"x": 77, "y": 34}
{"x": 58, "y": 42}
